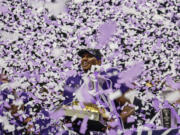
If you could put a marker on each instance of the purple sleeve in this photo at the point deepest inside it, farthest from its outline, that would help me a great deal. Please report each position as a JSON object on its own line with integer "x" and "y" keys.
{"x": 114, "y": 80}
{"x": 68, "y": 97}
{"x": 70, "y": 87}
{"x": 124, "y": 88}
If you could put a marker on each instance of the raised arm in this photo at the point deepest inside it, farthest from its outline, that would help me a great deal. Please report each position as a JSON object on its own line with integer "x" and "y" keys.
{"x": 72, "y": 83}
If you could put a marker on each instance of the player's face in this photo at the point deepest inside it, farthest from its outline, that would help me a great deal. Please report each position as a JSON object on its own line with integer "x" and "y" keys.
{"x": 88, "y": 60}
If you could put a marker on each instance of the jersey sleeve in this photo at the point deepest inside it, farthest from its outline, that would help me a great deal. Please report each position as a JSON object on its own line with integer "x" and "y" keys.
{"x": 72, "y": 83}
{"x": 112, "y": 75}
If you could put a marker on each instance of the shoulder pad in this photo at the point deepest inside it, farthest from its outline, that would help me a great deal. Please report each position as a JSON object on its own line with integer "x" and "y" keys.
{"x": 73, "y": 81}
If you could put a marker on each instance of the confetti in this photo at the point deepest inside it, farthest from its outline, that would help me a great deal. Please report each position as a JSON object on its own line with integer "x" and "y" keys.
{"x": 39, "y": 45}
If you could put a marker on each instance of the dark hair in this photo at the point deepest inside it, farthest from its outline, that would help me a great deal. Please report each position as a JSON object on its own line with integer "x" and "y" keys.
{"x": 95, "y": 52}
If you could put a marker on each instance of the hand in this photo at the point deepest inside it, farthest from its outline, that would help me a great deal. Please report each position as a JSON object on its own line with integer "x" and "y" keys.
{"x": 109, "y": 124}
{"x": 126, "y": 112}
{"x": 122, "y": 100}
